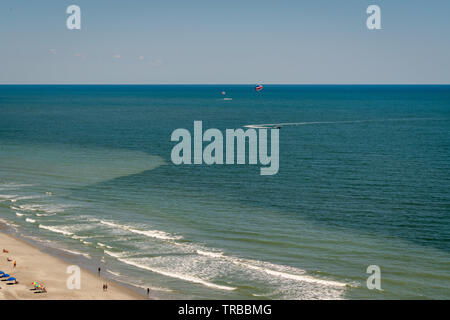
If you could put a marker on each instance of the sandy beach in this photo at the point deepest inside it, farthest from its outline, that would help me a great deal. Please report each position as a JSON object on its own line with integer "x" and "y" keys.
{"x": 50, "y": 272}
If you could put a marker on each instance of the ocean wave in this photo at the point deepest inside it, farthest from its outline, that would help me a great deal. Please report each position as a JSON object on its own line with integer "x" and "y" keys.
{"x": 47, "y": 208}
{"x": 19, "y": 214}
{"x": 285, "y": 272}
{"x": 30, "y": 220}
{"x": 56, "y": 230}
{"x": 113, "y": 254}
{"x": 8, "y": 196}
{"x": 76, "y": 252}
{"x": 13, "y": 186}
{"x": 211, "y": 254}
{"x": 80, "y": 237}
{"x": 25, "y": 198}
{"x": 10, "y": 224}
{"x": 117, "y": 274}
{"x": 290, "y": 276}
{"x": 260, "y": 269}
{"x": 179, "y": 276}
{"x": 157, "y": 234}
{"x": 102, "y": 245}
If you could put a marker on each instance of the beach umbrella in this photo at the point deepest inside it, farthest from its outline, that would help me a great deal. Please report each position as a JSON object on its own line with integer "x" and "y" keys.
{"x": 11, "y": 279}
{"x": 5, "y": 275}
{"x": 1, "y": 272}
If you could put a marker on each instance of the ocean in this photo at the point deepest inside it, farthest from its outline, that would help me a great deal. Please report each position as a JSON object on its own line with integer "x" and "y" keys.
{"x": 364, "y": 180}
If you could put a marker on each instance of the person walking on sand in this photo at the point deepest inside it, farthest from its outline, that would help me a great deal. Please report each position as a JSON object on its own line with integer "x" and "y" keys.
{"x": 14, "y": 263}
{"x": 148, "y": 292}
{"x": 99, "y": 269}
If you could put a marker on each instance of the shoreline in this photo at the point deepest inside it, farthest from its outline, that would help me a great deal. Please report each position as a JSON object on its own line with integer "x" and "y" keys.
{"x": 35, "y": 265}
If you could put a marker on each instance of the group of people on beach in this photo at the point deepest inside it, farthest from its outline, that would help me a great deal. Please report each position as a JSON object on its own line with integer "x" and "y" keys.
{"x": 36, "y": 286}
{"x": 7, "y": 276}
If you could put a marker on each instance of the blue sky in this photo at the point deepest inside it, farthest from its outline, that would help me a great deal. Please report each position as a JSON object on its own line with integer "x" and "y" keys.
{"x": 210, "y": 41}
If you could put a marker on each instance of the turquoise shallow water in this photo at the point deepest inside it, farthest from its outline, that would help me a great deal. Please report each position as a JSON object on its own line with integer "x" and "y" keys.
{"x": 87, "y": 169}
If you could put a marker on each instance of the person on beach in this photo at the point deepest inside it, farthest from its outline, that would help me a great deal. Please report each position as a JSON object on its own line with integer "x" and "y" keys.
{"x": 99, "y": 269}
{"x": 14, "y": 263}
{"x": 8, "y": 259}
{"x": 148, "y": 291}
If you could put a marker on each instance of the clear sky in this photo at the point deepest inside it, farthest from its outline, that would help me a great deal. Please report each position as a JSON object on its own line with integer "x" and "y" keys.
{"x": 212, "y": 41}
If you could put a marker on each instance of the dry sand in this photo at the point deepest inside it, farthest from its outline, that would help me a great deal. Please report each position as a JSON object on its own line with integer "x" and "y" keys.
{"x": 34, "y": 265}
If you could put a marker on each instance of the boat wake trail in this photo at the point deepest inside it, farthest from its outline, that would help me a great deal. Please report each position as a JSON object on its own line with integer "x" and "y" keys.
{"x": 285, "y": 124}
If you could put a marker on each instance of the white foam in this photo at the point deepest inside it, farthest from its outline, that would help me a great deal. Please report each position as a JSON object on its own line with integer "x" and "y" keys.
{"x": 258, "y": 295}
{"x": 19, "y": 214}
{"x": 30, "y": 220}
{"x": 13, "y": 186}
{"x": 8, "y": 197}
{"x": 76, "y": 252}
{"x": 148, "y": 233}
{"x": 211, "y": 254}
{"x": 117, "y": 274}
{"x": 176, "y": 275}
{"x": 112, "y": 254}
{"x": 9, "y": 224}
{"x": 79, "y": 237}
{"x": 25, "y": 198}
{"x": 48, "y": 209}
{"x": 102, "y": 245}
{"x": 267, "y": 268}
{"x": 296, "y": 277}
{"x": 55, "y": 229}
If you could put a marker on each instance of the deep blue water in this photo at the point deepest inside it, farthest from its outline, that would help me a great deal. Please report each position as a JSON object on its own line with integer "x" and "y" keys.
{"x": 88, "y": 168}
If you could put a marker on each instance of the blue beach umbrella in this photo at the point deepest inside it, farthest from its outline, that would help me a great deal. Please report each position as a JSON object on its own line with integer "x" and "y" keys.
{"x": 5, "y": 275}
{"x": 11, "y": 279}
{"x": 1, "y": 272}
